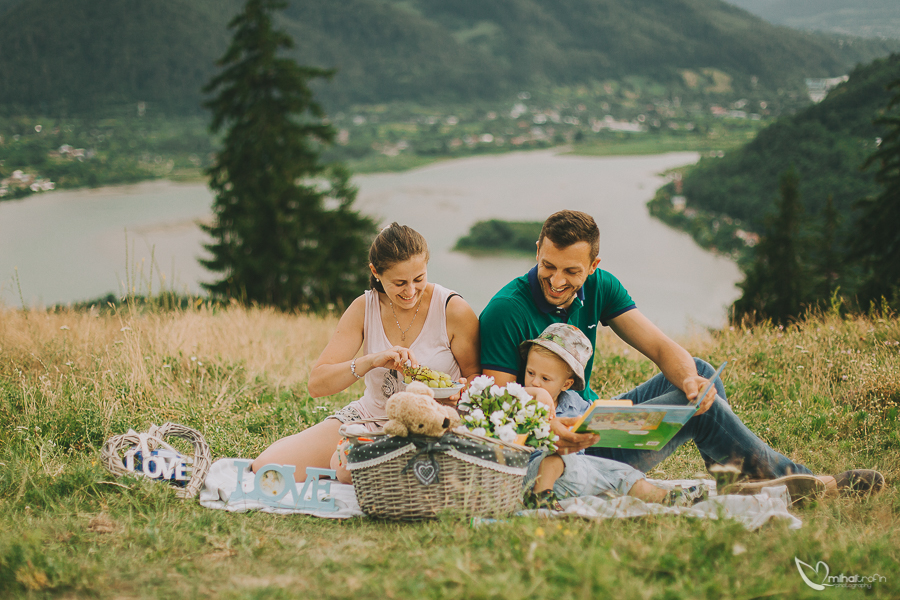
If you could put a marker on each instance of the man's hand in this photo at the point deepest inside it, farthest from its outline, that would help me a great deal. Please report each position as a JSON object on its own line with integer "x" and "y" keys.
{"x": 692, "y": 386}
{"x": 570, "y": 442}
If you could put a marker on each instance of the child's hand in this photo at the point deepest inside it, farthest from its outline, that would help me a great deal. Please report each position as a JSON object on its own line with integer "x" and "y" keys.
{"x": 542, "y": 396}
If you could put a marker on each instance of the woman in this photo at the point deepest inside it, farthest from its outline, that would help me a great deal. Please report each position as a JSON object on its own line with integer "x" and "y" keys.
{"x": 402, "y": 318}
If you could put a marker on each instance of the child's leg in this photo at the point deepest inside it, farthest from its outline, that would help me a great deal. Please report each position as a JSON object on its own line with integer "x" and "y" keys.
{"x": 594, "y": 476}
{"x": 646, "y": 491}
{"x": 550, "y": 470}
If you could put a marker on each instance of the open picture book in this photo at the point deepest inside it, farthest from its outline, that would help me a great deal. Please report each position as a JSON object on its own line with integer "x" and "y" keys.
{"x": 623, "y": 425}
{"x": 646, "y": 426}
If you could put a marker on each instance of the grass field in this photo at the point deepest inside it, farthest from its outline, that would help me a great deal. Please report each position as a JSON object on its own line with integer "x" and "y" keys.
{"x": 825, "y": 392}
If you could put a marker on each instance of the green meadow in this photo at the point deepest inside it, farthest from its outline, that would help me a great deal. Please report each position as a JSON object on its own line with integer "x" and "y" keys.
{"x": 824, "y": 391}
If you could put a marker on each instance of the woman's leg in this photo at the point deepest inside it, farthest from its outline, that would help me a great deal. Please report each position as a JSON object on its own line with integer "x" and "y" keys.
{"x": 311, "y": 447}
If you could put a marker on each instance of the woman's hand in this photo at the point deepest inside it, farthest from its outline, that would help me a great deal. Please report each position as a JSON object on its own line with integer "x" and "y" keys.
{"x": 395, "y": 357}
{"x": 336, "y": 370}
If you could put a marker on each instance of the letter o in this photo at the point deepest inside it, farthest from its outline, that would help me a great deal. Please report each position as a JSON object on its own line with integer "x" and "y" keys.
{"x": 156, "y": 471}
{"x": 262, "y": 491}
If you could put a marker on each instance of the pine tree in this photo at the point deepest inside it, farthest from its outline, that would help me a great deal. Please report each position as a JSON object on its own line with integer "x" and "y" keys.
{"x": 774, "y": 286}
{"x": 285, "y": 232}
{"x": 828, "y": 264}
{"x": 876, "y": 240}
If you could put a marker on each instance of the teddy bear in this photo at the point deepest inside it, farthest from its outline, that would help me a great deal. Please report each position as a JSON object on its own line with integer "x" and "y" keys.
{"x": 415, "y": 411}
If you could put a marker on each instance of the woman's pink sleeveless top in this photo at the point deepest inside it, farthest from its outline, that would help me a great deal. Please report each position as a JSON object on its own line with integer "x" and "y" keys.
{"x": 431, "y": 349}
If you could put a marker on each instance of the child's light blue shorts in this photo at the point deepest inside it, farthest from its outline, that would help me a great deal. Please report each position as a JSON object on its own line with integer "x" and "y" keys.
{"x": 587, "y": 476}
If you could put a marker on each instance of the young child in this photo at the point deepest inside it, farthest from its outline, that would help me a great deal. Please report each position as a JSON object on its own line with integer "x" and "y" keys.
{"x": 555, "y": 362}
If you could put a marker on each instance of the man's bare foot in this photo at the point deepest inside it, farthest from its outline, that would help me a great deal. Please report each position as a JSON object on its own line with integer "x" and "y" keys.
{"x": 831, "y": 490}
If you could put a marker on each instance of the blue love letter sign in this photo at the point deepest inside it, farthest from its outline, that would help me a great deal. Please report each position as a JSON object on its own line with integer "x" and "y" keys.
{"x": 274, "y": 482}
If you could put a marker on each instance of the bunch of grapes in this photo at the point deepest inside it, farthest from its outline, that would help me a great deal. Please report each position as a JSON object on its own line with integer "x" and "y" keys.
{"x": 429, "y": 377}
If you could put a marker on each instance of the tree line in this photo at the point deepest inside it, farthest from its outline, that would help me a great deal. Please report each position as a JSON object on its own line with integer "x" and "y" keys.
{"x": 797, "y": 267}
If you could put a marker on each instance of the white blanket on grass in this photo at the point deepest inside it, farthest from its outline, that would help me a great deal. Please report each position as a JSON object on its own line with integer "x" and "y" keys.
{"x": 221, "y": 481}
{"x": 751, "y": 511}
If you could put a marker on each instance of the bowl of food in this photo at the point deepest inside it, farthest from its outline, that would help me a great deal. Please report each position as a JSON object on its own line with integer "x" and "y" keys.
{"x": 441, "y": 384}
{"x": 442, "y": 393}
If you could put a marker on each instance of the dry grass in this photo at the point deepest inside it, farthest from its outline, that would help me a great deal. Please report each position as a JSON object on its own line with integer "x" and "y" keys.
{"x": 270, "y": 344}
{"x": 88, "y": 376}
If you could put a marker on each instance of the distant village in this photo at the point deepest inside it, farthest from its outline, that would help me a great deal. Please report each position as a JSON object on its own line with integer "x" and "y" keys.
{"x": 20, "y": 180}
{"x": 527, "y": 124}
{"x": 607, "y": 113}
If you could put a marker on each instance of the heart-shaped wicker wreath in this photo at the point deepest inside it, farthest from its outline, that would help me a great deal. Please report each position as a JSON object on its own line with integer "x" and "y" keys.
{"x": 117, "y": 446}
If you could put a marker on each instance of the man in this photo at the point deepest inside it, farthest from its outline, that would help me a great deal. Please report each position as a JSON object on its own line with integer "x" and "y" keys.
{"x": 566, "y": 286}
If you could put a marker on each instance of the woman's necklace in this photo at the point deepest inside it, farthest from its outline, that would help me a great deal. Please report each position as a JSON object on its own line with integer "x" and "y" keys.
{"x": 402, "y": 332}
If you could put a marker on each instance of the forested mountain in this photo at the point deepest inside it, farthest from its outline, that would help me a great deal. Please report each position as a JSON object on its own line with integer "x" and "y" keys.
{"x": 79, "y": 55}
{"x": 75, "y": 54}
{"x": 827, "y": 143}
{"x": 866, "y": 18}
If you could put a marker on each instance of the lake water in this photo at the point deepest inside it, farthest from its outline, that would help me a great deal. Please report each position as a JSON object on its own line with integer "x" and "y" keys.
{"x": 72, "y": 245}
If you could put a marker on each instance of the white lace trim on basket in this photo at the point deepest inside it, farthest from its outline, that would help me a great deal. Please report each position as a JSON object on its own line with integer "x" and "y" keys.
{"x": 487, "y": 464}
{"x": 381, "y": 459}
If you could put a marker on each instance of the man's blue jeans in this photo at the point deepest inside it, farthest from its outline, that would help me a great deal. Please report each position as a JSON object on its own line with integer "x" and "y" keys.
{"x": 719, "y": 434}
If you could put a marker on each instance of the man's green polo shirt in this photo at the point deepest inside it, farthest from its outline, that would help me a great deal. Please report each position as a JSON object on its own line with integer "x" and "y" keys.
{"x": 519, "y": 312}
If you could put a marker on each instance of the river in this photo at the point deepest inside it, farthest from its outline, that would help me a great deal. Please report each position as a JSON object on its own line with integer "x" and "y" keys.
{"x": 65, "y": 246}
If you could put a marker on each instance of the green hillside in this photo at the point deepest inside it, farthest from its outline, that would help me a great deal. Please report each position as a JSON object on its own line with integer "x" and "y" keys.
{"x": 567, "y": 41}
{"x": 384, "y": 53}
{"x": 827, "y": 143}
{"x": 7, "y": 4}
{"x": 97, "y": 52}
{"x": 93, "y": 53}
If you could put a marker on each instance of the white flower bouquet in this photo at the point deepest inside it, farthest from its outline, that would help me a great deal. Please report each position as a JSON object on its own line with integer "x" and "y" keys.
{"x": 508, "y": 413}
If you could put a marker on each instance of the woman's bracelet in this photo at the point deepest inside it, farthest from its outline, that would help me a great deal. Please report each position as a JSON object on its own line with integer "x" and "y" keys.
{"x": 353, "y": 369}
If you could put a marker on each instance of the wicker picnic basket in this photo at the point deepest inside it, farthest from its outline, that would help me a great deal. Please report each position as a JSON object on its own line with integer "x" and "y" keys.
{"x": 119, "y": 445}
{"x": 418, "y": 477}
